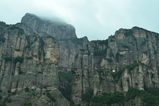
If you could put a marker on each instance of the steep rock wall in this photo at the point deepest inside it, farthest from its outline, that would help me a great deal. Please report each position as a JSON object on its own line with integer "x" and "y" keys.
{"x": 126, "y": 60}
{"x": 63, "y": 32}
{"x": 28, "y": 68}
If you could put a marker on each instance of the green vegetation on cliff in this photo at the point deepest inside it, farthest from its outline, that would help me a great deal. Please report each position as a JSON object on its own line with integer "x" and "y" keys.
{"x": 50, "y": 96}
{"x": 149, "y": 97}
{"x": 7, "y": 59}
{"x": 66, "y": 91}
{"x": 99, "y": 52}
{"x": 129, "y": 68}
{"x": 20, "y": 30}
{"x": 68, "y": 76}
{"x": 107, "y": 99}
{"x": 2, "y": 39}
{"x": 27, "y": 104}
{"x": 18, "y": 59}
{"x": 88, "y": 95}
{"x": 2, "y": 23}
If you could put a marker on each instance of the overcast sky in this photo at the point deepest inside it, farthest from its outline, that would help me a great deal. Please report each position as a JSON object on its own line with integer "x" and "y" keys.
{"x": 96, "y": 19}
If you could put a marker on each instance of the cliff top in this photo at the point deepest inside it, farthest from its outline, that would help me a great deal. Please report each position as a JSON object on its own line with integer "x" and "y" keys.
{"x": 134, "y": 31}
{"x": 40, "y": 18}
{"x": 54, "y": 26}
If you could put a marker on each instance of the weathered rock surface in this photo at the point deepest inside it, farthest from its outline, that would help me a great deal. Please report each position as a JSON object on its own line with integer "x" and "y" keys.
{"x": 68, "y": 50}
{"x": 31, "y": 51}
{"x": 63, "y": 32}
{"x": 132, "y": 53}
{"x": 28, "y": 68}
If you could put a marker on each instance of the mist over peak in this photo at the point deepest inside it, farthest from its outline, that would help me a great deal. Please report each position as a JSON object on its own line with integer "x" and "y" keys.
{"x": 49, "y": 19}
{"x": 53, "y": 26}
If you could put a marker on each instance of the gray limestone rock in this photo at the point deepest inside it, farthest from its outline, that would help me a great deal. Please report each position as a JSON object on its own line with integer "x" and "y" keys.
{"x": 28, "y": 68}
{"x": 65, "y": 33}
{"x": 126, "y": 60}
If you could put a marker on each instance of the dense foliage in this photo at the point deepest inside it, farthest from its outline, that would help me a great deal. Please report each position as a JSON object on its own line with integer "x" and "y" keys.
{"x": 7, "y": 59}
{"x": 88, "y": 95}
{"x": 27, "y": 104}
{"x": 132, "y": 93}
{"x": 1, "y": 97}
{"x": 109, "y": 60}
{"x": 19, "y": 59}
{"x": 68, "y": 76}
{"x": 107, "y": 99}
{"x": 99, "y": 52}
{"x": 2, "y": 39}
{"x": 50, "y": 96}
{"x": 3, "y": 104}
{"x": 15, "y": 60}
{"x": 149, "y": 96}
{"x": 66, "y": 91}
{"x": 26, "y": 89}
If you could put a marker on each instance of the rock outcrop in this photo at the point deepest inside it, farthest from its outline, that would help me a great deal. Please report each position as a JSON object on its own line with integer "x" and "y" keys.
{"x": 63, "y": 32}
{"x": 126, "y": 60}
{"x": 28, "y": 68}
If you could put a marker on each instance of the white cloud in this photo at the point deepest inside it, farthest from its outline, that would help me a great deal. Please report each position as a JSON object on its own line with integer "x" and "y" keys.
{"x": 96, "y": 19}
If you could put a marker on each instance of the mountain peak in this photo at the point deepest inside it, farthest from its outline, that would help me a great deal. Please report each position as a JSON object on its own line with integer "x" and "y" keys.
{"x": 134, "y": 31}
{"x": 53, "y": 27}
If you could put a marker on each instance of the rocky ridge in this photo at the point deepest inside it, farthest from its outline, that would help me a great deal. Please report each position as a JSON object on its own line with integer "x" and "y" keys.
{"x": 126, "y": 60}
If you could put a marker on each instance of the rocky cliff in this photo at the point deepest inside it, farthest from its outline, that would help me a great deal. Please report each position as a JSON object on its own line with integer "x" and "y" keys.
{"x": 63, "y": 32}
{"x": 36, "y": 57}
{"x": 28, "y": 68}
{"x": 125, "y": 60}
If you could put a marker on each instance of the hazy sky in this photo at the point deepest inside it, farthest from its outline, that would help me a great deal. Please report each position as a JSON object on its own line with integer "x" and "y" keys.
{"x": 96, "y": 19}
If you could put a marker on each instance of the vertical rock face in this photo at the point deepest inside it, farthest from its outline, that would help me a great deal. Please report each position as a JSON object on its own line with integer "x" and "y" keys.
{"x": 126, "y": 60}
{"x": 28, "y": 68}
{"x": 64, "y": 33}
{"x": 68, "y": 50}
